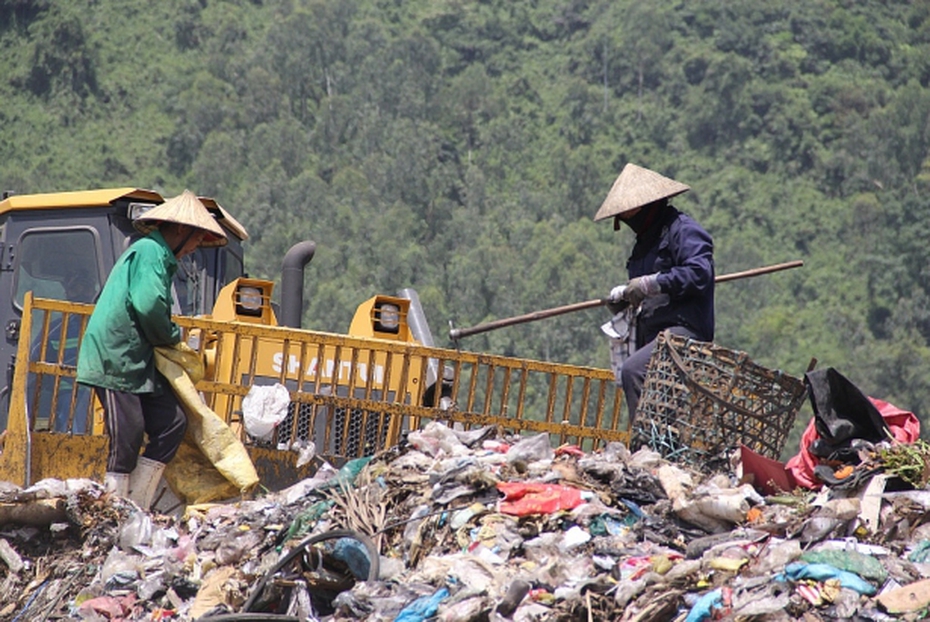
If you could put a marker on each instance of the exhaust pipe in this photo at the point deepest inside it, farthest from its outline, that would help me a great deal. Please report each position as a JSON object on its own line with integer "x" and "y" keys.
{"x": 292, "y": 282}
{"x": 416, "y": 319}
{"x": 420, "y": 330}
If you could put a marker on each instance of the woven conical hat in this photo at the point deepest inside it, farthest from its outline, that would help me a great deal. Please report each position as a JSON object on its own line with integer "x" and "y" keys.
{"x": 184, "y": 209}
{"x": 635, "y": 187}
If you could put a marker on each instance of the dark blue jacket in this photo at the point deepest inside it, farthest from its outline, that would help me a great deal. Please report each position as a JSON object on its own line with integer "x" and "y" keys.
{"x": 682, "y": 253}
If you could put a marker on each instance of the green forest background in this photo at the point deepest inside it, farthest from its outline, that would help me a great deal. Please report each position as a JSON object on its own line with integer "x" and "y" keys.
{"x": 461, "y": 148}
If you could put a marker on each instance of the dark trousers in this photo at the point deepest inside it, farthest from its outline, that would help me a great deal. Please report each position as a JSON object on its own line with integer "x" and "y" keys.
{"x": 633, "y": 372}
{"x": 129, "y": 417}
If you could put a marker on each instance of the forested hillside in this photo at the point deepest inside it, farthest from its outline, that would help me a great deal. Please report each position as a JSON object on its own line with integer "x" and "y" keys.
{"x": 462, "y": 148}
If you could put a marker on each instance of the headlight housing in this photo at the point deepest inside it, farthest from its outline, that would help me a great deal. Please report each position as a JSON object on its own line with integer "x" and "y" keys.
{"x": 138, "y": 209}
{"x": 387, "y": 318}
{"x": 249, "y": 300}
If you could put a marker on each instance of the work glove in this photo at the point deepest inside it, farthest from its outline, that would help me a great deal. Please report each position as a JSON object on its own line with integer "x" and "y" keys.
{"x": 616, "y": 294}
{"x": 615, "y": 300}
{"x": 640, "y": 288}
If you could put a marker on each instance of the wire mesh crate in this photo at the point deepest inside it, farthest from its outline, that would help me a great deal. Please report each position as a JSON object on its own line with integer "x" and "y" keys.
{"x": 700, "y": 400}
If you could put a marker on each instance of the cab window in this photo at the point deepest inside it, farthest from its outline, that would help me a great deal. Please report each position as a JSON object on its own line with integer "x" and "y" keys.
{"x": 189, "y": 284}
{"x": 58, "y": 264}
{"x": 200, "y": 276}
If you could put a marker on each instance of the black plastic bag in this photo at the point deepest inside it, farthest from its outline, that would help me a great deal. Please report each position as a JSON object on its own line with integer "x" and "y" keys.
{"x": 845, "y": 418}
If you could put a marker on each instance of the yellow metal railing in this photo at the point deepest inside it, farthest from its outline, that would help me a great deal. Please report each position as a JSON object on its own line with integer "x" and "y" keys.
{"x": 349, "y": 396}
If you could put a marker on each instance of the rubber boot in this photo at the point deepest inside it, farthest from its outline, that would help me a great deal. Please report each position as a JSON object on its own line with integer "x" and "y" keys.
{"x": 143, "y": 481}
{"x": 117, "y": 483}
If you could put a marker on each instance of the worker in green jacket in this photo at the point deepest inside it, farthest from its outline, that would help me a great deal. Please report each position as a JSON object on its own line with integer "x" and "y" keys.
{"x": 117, "y": 354}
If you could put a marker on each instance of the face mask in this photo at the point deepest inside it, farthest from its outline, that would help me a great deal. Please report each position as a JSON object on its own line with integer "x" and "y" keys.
{"x": 641, "y": 220}
{"x": 637, "y": 220}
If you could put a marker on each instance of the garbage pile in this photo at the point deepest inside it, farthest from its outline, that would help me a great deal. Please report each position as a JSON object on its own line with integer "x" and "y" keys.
{"x": 475, "y": 525}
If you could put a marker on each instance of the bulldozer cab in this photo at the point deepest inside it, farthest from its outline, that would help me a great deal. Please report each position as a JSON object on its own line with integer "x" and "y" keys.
{"x": 63, "y": 245}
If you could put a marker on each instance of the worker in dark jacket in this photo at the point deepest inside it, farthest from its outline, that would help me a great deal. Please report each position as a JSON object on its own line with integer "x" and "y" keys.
{"x": 117, "y": 354}
{"x": 670, "y": 270}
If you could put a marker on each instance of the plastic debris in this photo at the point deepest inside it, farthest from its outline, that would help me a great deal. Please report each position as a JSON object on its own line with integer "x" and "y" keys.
{"x": 825, "y": 572}
{"x": 473, "y": 525}
{"x": 263, "y": 408}
{"x": 524, "y": 498}
{"x": 422, "y": 608}
{"x": 703, "y": 609}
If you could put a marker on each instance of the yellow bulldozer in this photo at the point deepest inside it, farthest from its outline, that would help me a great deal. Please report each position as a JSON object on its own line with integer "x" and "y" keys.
{"x": 349, "y": 395}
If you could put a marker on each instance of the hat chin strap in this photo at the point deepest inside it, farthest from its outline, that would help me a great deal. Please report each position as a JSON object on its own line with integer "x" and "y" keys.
{"x": 177, "y": 249}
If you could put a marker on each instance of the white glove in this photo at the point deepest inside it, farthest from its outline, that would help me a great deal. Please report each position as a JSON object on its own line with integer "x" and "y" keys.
{"x": 616, "y": 294}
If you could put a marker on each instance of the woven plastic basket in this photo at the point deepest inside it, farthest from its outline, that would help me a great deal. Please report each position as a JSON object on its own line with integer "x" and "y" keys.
{"x": 700, "y": 400}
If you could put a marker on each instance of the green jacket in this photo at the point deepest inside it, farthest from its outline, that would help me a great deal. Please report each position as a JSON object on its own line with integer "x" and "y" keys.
{"x": 132, "y": 316}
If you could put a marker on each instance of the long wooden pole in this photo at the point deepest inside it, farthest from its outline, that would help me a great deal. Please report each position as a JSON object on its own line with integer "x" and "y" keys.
{"x": 457, "y": 333}
{"x": 732, "y": 276}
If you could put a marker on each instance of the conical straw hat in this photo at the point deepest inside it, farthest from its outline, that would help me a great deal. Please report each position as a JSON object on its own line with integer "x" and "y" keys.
{"x": 184, "y": 209}
{"x": 635, "y": 187}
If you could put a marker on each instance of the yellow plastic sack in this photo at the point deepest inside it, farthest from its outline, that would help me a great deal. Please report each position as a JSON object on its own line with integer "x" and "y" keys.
{"x": 212, "y": 464}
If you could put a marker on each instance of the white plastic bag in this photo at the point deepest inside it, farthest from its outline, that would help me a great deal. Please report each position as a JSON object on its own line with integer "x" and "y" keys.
{"x": 263, "y": 408}
{"x": 136, "y": 531}
{"x": 531, "y": 448}
{"x": 621, "y": 330}
{"x": 437, "y": 440}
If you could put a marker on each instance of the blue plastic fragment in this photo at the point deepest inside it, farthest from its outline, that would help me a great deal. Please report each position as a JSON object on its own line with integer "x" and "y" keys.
{"x": 633, "y": 508}
{"x": 921, "y": 552}
{"x": 822, "y": 572}
{"x": 704, "y": 606}
{"x": 354, "y": 555}
{"x": 422, "y": 608}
